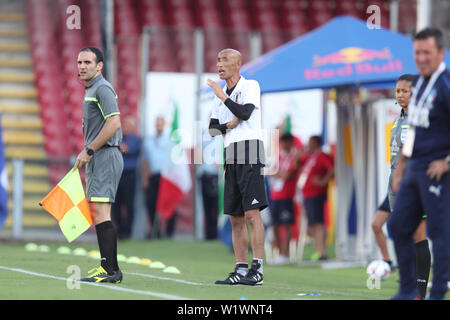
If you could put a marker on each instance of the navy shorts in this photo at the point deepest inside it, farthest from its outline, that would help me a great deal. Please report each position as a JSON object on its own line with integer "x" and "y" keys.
{"x": 282, "y": 211}
{"x": 244, "y": 189}
{"x": 314, "y": 209}
{"x": 418, "y": 194}
{"x": 384, "y": 206}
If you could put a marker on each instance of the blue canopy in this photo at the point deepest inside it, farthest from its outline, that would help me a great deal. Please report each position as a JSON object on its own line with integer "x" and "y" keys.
{"x": 342, "y": 52}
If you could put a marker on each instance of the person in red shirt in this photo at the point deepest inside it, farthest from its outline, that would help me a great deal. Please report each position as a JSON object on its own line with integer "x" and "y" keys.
{"x": 313, "y": 181}
{"x": 282, "y": 195}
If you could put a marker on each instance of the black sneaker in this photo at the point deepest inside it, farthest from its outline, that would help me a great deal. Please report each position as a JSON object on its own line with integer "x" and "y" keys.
{"x": 253, "y": 276}
{"x": 232, "y": 279}
{"x": 116, "y": 277}
{"x": 99, "y": 274}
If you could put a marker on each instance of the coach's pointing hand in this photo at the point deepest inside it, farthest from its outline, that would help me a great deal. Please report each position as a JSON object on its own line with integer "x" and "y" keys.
{"x": 218, "y": 91}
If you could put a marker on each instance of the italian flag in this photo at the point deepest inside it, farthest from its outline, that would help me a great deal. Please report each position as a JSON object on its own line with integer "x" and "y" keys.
{"x": 175, "y": 179}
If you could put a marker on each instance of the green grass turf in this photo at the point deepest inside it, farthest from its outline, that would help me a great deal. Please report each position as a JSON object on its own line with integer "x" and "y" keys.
{"x": 199, "y": 262}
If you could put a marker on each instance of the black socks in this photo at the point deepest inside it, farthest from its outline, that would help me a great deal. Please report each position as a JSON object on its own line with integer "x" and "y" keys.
{"x": 423, "y": 262}
{"x": 107, "y": 243}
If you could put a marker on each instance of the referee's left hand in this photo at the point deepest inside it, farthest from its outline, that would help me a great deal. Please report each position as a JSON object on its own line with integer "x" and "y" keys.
{"x": 82, "y": 159}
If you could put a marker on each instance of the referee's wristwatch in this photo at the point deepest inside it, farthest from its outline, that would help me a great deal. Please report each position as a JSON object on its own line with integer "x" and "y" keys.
{"x": 447, "y": 159}
{"x": 89, "y": 151}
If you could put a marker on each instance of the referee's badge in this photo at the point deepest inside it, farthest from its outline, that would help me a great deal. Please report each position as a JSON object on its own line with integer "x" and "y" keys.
{"x": 408, "y": 146}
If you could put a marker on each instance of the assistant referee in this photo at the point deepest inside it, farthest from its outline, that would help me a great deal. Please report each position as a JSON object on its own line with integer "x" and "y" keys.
{"x": 102, "y": 157}
{"x": 237, "y": 115}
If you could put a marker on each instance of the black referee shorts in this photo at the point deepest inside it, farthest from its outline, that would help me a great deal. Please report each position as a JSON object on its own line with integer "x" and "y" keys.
{"x": 244, "y": 189}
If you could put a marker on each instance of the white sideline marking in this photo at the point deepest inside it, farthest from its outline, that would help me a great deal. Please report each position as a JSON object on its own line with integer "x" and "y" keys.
{"x": 163, "y": 278}
{"x": 117, "y": 288}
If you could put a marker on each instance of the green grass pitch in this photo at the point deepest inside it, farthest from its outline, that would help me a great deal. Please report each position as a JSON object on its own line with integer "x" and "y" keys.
{"x": 42, "y": 275}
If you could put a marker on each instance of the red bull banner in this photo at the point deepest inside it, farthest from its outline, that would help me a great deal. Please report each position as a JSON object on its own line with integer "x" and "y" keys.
{"x": 352, "y": 61}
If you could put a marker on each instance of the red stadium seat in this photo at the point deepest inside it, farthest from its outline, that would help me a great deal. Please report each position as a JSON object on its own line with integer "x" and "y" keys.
{"x": 125, "y": 17}
{"x": 241, "y": 42}
{"x": 271, "y": 40}
{"x": 236, "y": 14}
{"x": 91, "y": 18}
{"x": 349, "y": 7}
{"x": 264, "y": 15}
{"x": 208, "y": 15}
{"x": 48, "y": 81}
{"x": 319, "y": 12}
{"x": 151, "y": 13}
{"x": 179, "y": 13}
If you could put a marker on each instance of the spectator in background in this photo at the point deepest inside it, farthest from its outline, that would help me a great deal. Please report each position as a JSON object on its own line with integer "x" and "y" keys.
{"x": 209, "y": 177}
{"x": 282, "y": 195}
{"x": 315, "y": 175}
{"x": 156, "y": 156}
{"x": 131, "y": 148}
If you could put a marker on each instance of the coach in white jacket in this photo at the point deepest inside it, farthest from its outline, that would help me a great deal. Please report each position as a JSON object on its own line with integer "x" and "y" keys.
{"x": 237, "y": 115}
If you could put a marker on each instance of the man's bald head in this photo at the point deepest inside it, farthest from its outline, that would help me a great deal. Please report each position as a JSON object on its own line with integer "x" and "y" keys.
{"x": 232, "y": 53}
{"x": 229, "y": 62}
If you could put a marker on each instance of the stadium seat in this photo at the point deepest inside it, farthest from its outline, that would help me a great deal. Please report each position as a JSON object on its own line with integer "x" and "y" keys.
{"x": 91, "y": 18}
{"x": 208, "y": 15}
{"x": 267, "y": 22}
{"x": 151, "y": 13}
{"x": 50, "y": 91}
{"x": 264, "y": 15}
{"x": 293, "y": 19}
{"x": 238, "y": 26}
{"x": 180, "y": 13}
{"x": 162, "y": 57}
{"x": 271, "y": 39}
{"x": 349, "y": 7}
{"x": 407, "y": 16}
{"x": 240, "y": 41}
{"x": 181, "y": 19}
{"x": 125, "y": 17}
{"x": 319, "y": 12}
{"x": 210, "y": 20}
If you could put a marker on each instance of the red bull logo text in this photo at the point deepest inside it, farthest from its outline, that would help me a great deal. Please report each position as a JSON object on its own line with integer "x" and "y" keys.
{"x": 356, "y": 61}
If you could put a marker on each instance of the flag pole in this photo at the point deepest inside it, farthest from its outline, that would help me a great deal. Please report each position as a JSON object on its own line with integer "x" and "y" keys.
{"x": 199, "y": 58}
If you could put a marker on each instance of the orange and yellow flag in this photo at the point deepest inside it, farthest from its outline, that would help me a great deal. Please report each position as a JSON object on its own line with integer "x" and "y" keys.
{"x": 67, "y": 203}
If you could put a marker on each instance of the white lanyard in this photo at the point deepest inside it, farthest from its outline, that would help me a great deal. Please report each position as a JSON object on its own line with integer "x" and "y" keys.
{"x": 428, "y": 88}
{"x": 416, "y": 112}
{"x": 307, "y": 169}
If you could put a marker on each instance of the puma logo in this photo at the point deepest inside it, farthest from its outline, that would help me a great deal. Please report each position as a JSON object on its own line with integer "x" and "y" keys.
{"x": 435, "y": 190}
